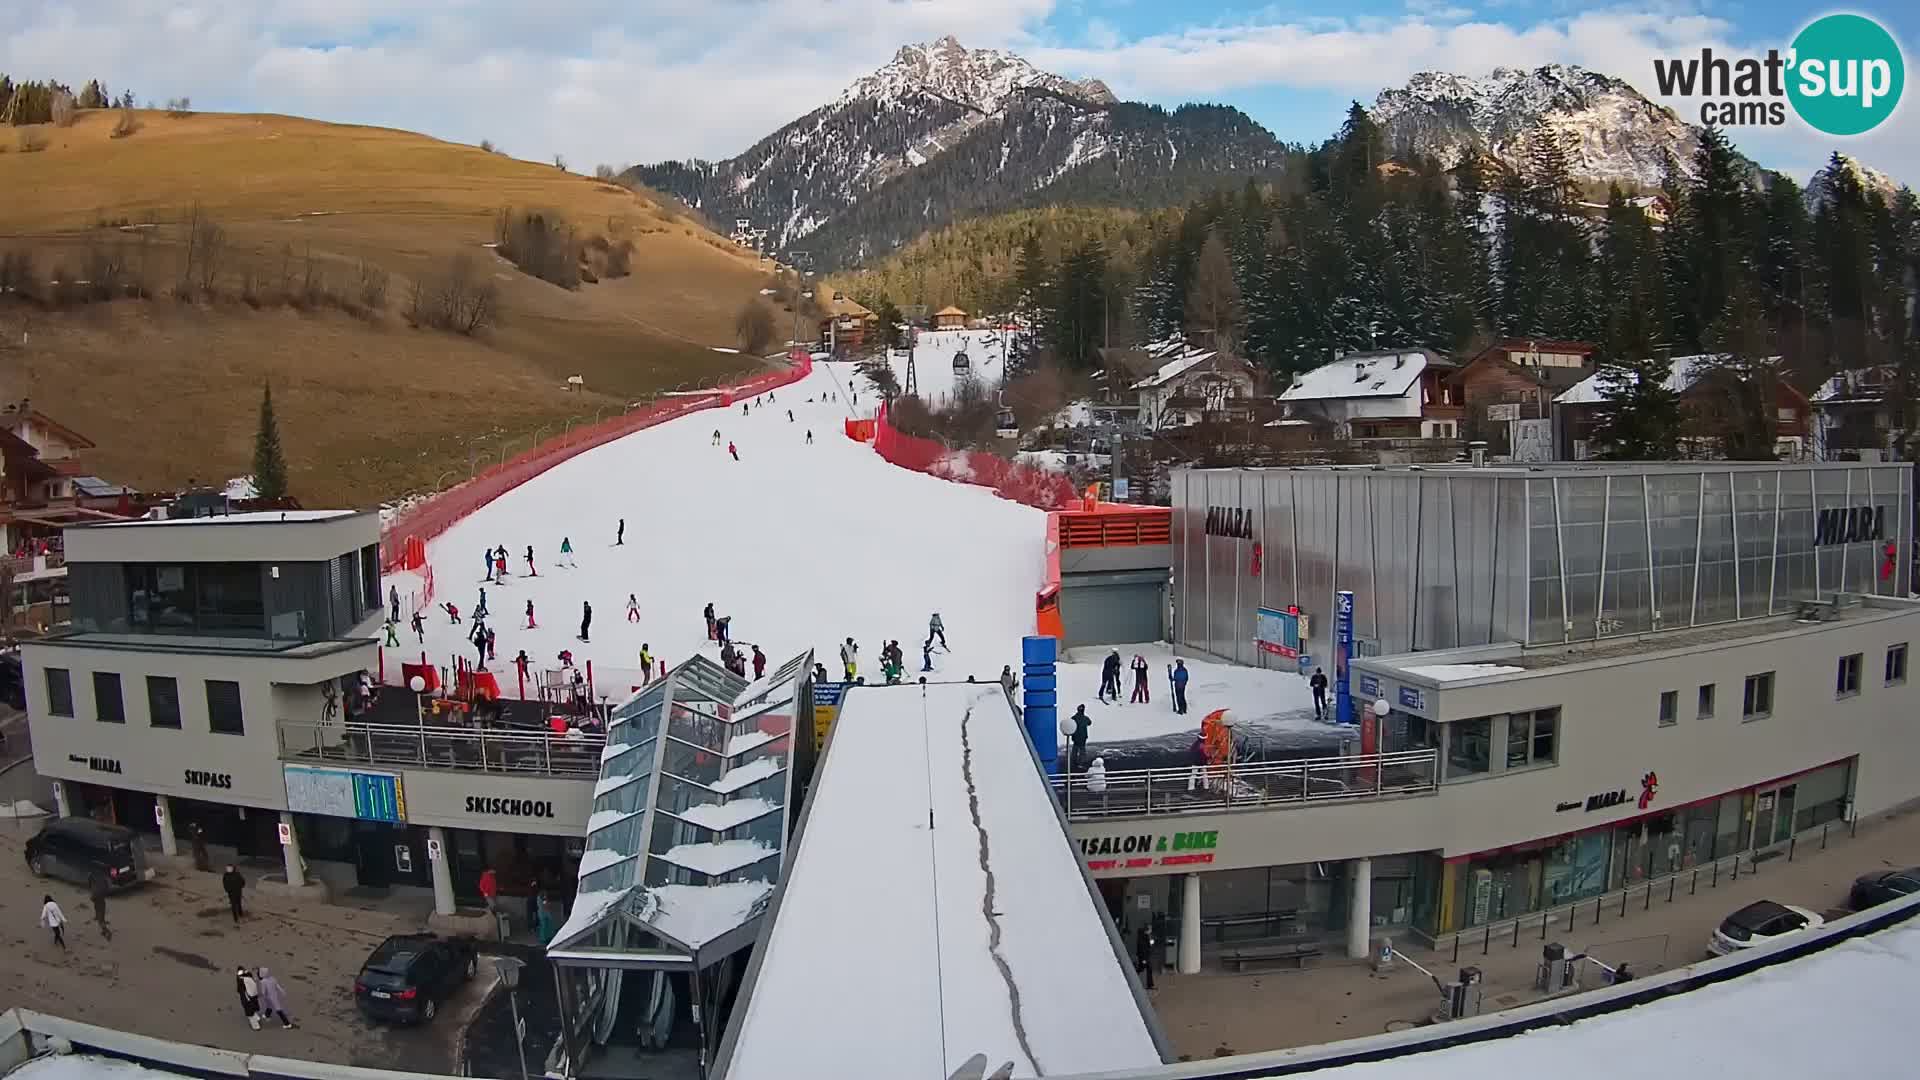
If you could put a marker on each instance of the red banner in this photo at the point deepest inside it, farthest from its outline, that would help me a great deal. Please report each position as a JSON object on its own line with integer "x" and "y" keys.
{"x": 1022, "y": 483}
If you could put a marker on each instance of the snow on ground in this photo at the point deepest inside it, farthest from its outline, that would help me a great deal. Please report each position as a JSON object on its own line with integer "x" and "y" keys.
{"x": 1270, "y": 699}
{"x": 1457, "y": 672}
{"x": 933, "y": 362}
{"x": 899, "y": 759}
{"x": 802, "y": 545}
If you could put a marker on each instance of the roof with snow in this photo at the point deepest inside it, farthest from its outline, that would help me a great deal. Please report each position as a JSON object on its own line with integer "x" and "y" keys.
{"x": 1361, "y": 375}
{"x": 1172, "y": 369}
{"x": 931, "y": 844}
{"x": 950, "y": 310}
{"x": 689, "y": 820}
{"x": 1682, "y": 373}
{"x": 1858, "y": 385}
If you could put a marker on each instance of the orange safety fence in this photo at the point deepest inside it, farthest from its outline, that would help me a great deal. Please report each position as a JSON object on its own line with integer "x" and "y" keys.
{"x": 1111, "y": 526}
{"x": 403, "y": 542}
{"x": 1046, "y": 603}
{"x": 860, "y": 430}
{"x": 1026, "y": 484}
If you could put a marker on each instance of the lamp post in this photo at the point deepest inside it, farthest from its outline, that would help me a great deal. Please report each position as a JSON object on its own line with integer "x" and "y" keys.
{"x": 509, "y": 969}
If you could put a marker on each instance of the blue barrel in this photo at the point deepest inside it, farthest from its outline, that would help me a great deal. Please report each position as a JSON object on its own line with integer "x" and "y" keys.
{"x": 1042, "y": 699}
{"x": 1043, "y": 681}
{"x": 1039, "y": 649}
{"x": 1037, "y": 655}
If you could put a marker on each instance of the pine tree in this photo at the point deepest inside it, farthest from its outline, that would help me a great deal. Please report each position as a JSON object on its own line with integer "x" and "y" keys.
{"x": 1214, "y": 310}
{"x": 888, "y": 319}
{"x": 1641, "y": 420}
{"x": 1734, "y": 385}
{"x": 269, "y": 463}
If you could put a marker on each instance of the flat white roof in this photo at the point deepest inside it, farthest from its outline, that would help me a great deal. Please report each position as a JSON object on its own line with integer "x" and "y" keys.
{"x": 928, "y": 814}
{"x": 251, "y": 517}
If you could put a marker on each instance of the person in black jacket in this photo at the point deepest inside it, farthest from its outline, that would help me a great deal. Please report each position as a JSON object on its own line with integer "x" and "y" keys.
{"x": 233, "y": 883}
{"x": 1081, "y": 724}
{"x": 1145, "y": 951}
{"x": 1319, "y": 685}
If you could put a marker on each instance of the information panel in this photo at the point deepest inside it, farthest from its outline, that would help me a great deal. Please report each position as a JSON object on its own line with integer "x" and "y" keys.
{"x": 367, "y": 796}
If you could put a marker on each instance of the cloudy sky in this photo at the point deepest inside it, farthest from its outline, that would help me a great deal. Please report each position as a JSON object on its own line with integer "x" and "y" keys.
{"x": 619, "y": 81}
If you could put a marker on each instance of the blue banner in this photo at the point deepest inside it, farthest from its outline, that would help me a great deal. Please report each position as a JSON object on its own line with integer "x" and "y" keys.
{"x": 1342, "y": 655}
{"x": 828, "y": 693}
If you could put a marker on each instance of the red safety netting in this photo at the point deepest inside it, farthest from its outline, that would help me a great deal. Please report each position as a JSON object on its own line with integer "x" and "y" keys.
{"x": 403, "y": 542}
{"x": 1021, "y": 483}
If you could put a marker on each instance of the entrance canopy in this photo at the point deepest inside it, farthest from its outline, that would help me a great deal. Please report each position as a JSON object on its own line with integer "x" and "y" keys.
{"x": 686, "y": 838}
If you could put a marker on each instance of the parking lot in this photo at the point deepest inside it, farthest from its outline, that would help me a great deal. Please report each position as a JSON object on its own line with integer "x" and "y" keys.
{"x": 1218, "y": 1012}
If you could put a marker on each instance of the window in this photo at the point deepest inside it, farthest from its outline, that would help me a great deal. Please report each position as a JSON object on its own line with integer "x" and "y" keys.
{"x": 1759, "y": 697}
{"x": 1846, "y": 678}
{"x": 223, "y": 708}
{"x": 1896, "y": 664}
{"x": 1532, "y": 738}
{"x": 108, "y": 708}
{"x": 163, "y": 701}
{"x": 59, "y": 692}
{"x": 1706, "y": 701}
{"x": 1469, "y": 746}
{"x": 1669, "y": 708}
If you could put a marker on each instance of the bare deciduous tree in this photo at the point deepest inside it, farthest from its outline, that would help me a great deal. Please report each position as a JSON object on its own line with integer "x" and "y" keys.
{"x": 371, "y": 286}
{"x": 126, "y": 124}
{"x": 753, "y": 327}
{"x": 206, "y": 252}
{"x": 459, "y": 297}
{"x": 560, "y": 163}
{"x": 179, "y": 107}
{"x": 64, "y": 109}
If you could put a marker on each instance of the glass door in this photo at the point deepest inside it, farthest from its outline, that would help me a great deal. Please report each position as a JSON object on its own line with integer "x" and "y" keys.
{"x": 1763, "y": 817}
{"x": 1783, "y": 814}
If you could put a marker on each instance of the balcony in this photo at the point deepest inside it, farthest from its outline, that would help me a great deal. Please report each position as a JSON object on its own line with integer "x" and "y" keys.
{"x": 517, "y": 751}
{"x": 1211, "y": 788}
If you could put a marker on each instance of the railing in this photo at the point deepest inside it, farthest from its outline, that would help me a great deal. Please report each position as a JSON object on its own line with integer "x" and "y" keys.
{"x": 1116, "y": 528}
{"x": 503, "y": 750}
{"x": 34, "y": 564}
{"x": 1202, "y": 788}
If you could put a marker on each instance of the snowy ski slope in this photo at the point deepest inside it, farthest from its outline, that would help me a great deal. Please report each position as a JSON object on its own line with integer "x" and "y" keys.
{"x": 803, "y": 545}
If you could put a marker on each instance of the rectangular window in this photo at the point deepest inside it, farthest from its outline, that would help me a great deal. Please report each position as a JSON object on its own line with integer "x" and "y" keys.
{"x": 59, "y": 692}
{"x": 1758, "y": 701}
{"x": 1532, "y": 738}
{"x": 163, "y": 701}
{"x": 1469, "y": 746}
{"x": 1669, "y": 708}
{"x": 108, "y": 707}
{"x": 1896, "y": 664}
{"x": 223, "y": 708}
{"x": 1846, "y": 677}
{"x": 1706, "y": 700}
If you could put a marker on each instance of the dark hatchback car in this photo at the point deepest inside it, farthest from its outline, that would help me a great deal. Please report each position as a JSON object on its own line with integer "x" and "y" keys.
{"x": 410, "y": 976}
{"x": 1882, "y": 886}
{"x": 75, "y": 849}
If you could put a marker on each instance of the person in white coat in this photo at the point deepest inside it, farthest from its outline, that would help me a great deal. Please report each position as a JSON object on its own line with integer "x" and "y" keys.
{"x": 54, "y": 919}
{"x": 248, "y": 987}
{"x": 1097, "y": 777}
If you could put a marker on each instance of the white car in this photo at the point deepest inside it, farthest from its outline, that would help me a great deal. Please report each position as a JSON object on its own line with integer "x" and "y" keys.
{"x": 1759, "y": 923}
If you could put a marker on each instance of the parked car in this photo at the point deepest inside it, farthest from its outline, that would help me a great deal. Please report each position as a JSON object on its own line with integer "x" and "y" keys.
{"x": 409, "y": 976}
{"x": 1882, "y": 886}
{"x": 74, "y": 849}
{"x": 1759, "y": 923}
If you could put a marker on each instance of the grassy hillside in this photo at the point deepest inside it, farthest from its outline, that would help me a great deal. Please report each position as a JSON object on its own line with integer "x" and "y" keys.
{"x": 370, "y": 407}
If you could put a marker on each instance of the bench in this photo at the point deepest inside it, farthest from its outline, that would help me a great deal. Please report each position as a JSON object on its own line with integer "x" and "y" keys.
{"x": 1301, "y": 955}
{"x": 1287, "y": 920}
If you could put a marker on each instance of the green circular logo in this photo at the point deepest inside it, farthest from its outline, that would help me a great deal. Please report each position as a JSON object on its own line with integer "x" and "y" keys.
{"x": 1847, "y": 74}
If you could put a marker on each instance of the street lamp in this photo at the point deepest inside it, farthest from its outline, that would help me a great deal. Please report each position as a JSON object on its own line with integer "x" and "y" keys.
{"x": 509, "y": 969}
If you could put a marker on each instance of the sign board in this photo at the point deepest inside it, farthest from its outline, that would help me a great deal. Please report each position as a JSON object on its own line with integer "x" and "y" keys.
{"x": 367, "y": 796}
{"x": 1370, "y": 687}
{"x": 286, "y": 834}
{"x": 1160, "y": 851}
{"x": 826, "y": 709}
{"x": 1277, "y": 632}
{"x": 1342, "y": 657}
{"x": 1120, "y": 489}
{"x": 1532, "y": 441}
{"x": 1508, "y": 410}
{"x": 1412, "y": 700}
{"x": 433, "y": 849}
{"x": 159, "y": 815}
{"x": 403, "y": 858}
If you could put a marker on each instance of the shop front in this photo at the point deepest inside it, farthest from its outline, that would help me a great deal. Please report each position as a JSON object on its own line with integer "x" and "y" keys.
{"x": 1491, "y": 886}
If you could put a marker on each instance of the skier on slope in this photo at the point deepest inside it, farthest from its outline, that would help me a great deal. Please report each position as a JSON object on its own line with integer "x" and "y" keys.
{"x": 1141, "y": 695}
{"x": 492, "y": 644}
{"x": 926, "y": 657}
{"x": 646, "y": 663}
{"x": 500, "y": 565}
{"x": 488, "y": 559}
{"x": 1178, "y": 676}
{"x": 480, "y": 609}
{"x": 530, "y": 623}
{"x": 734, "y": 450}
{"x": 722, "y": 629}
{"x": 620, "y": 534}
{"x": 531, "y": 572}
{"x": 566, "y": 552}
{"x": 789, "y": 416}
{"x": 709, "y": 614}
{"x": 1110, "y": 677}
{"x": 453, "y": 613}
{"x": 850, "y": 658}
{"x": 743, "y": 409}
{"x": 633, "y": 608}
{"x": 937, "y": 629}
{"x": 716, "y": 436}
{"x": 809, "y": 437}
{"x": 420, "y": 628}
{"x": 759, "y": 663}
{"x": 586, "y": 619}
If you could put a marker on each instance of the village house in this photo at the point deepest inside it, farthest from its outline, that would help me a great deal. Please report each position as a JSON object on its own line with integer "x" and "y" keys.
{"x": 1580, "y": 408}
{"x": 44, "y": 482}
{"x": 844, "y": 322}
{"x": 950, "y": 318}
{"x": 1508, "y": 390}
{"x": 1855, "y": 417}
{"x": 1193, "y": 386}
{"x": 1398, "y": 395}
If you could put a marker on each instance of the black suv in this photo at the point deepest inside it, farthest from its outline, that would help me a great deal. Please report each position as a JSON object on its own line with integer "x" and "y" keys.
{"x": 74, "y": 849}
{"x": 1882, "y": 886}
{"x": 410, "y": 975}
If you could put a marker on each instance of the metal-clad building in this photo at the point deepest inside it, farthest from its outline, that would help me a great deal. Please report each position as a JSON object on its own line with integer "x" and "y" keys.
{"x": 1445, "y": 556}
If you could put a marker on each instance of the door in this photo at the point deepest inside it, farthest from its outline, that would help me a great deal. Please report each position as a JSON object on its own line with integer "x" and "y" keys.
{"x": 372, "y": 858}
{"x": 1783, "y": 814}
{"x": 1763, "y": 805}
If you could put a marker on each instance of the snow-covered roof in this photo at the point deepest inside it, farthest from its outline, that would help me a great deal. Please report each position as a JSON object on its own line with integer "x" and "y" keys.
{"x": 1173, "y": 369}
{"x": 676, "y": 754}
{"x": 1857, "y": 384}
{"x": 1682, "y": 373}
{"x": 989, "y": 909}
{"x": 1363, "y": 375}
{"x": 252, "y": 517}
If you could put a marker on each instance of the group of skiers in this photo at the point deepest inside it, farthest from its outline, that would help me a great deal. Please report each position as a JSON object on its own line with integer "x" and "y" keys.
{"x": 1142, "y": 693}
{"x": 893, "y": 661}
{"x": 720, "y": 629}
{"x": 746, "y": 409}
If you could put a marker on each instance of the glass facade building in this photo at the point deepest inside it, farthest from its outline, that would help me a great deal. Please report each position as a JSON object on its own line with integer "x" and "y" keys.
{"x": 1445, "y": 556}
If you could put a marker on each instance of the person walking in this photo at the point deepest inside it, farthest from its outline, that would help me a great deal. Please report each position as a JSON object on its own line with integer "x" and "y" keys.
{"x": 393, "y": 633}
{"x": 273, "y": 999}
{"x": 54, "y": 919}
{"x": 248, "y": 987}
{"x": 420, "y": 628}
{"x": 393, "y": 602}
{"x": 1319, "y": 684}
{"x": 1141, "y": 695}
{"x": 1077, "y": 738}
{"x": 489, "y": 887}
{"x": 620, "y": 534}
{"x": 709, "y": 614}
{"x": 233, "y": 883}
{"x": 586, "y": 619}
{"x": 531, "y": 625}
{"x": 723, "y": 629}
{"x": 759, "y": 663}
{"x": 566, "y": 552}
{"x": 531, "y": 570}
{"x": 937, "y": 629}
{"x": 1179, "y": 678}
{"x": 1146, "y": 951}
{"x": 98, "y": 888}
{"x": 850, "y": 658}
{"x": 633, "y": 608}
{"x": 479, "y": 639}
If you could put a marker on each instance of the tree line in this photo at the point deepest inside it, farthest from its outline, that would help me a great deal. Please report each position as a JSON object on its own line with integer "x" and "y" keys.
{"x": 54, "y": 102}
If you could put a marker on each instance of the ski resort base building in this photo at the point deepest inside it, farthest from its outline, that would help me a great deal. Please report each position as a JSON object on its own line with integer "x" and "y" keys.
{"x": 207, "y": 685}
{"x": 1592, "y": 678}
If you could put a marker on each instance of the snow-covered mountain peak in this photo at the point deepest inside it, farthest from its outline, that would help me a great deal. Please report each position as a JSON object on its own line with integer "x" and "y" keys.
{"x": 1869, "y": 178}
{"x": 979, "y": 79}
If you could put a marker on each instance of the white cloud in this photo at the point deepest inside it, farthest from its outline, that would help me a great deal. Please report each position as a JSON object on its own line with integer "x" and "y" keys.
{"x": 639, "y": 80}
